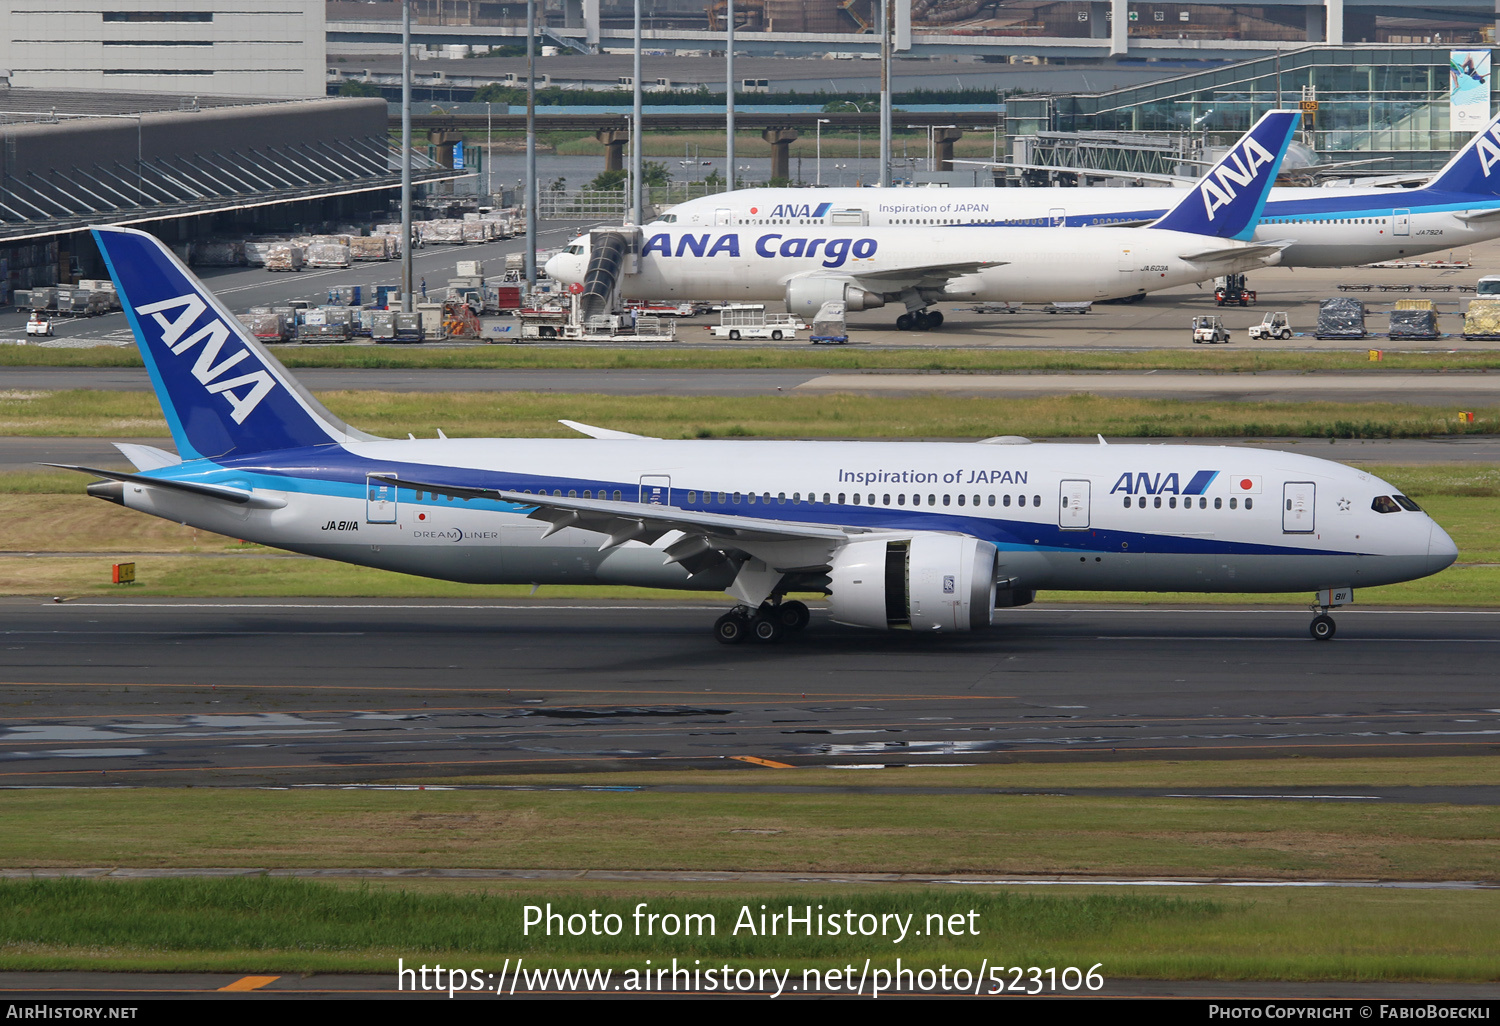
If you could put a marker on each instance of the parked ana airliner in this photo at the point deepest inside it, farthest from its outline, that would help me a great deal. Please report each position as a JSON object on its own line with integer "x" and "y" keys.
{"x": 918, "y": 536}
{"x": 1203, "y": 236}
{"x": 1334, "y": 226}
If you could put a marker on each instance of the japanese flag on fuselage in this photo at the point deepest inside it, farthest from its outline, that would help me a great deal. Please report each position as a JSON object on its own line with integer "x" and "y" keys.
{"x": 1245, "y": 485}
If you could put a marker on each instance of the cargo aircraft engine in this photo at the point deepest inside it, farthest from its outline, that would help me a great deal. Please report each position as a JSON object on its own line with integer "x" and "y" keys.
{"x": 806, "y": 296}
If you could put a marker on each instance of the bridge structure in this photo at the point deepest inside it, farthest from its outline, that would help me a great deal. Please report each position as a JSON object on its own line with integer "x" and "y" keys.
{"x": 612, "y": 128}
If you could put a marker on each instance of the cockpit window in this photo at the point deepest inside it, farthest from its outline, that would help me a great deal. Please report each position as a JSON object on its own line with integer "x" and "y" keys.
{"x": 1385, "y": 504}
{"x": 575, "y": 250}
{"x": 668, "y": 219}
{"x": 1407, "y": 504}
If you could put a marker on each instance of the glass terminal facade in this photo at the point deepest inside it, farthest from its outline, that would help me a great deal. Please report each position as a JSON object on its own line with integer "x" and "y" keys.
{"x": 1387, "y": 104}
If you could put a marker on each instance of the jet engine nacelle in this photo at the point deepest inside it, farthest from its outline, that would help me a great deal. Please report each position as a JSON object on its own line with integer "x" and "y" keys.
{"x": 806, "y": 296}
{"x": 923, "y": 582}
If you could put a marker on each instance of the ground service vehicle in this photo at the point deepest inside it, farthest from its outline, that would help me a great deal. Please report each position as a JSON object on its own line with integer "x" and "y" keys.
{"x": 1209, "y": 328}
{"x": 1276, "y": 325}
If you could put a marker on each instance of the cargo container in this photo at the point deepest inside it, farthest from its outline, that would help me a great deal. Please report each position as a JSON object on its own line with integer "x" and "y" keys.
{"x": 370, "y": 247}
{"x": 1482, "y": 319}
{"x": 283, "y": 257}
{"x": 327, "y": 254}
{"x": 320, "y": 333}
{"x": 1341, "y": 318}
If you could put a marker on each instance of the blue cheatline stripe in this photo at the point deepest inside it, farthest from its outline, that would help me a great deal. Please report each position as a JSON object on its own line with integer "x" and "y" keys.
{"x": 185, "y": 448}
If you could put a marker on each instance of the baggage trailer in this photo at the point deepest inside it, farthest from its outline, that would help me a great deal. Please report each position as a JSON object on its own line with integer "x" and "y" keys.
{"x": 750, "y": 320}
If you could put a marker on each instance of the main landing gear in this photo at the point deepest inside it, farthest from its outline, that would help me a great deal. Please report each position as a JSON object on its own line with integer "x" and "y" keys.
{"x": 919, "y": 320}
{"x": 771, "y": 622}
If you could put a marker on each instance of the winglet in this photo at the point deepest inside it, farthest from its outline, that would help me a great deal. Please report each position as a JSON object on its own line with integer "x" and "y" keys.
{"x": 1227, "y": 201}
{"x": 599, "y": 432}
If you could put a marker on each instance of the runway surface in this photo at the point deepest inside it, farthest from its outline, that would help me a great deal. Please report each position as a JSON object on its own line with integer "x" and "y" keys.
{"x": 257, "y": 692}
{"x": 1478, "y": 389}
{"x": 21, "y": 453}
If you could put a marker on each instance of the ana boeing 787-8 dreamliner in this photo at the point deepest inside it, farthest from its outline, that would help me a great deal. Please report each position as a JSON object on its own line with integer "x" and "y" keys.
{"x": 921, "y": 536}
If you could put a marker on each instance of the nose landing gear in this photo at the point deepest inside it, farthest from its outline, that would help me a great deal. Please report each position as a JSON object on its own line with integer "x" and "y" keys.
{"x": 1322, "y": 627}
{"x": 771, "y": 622}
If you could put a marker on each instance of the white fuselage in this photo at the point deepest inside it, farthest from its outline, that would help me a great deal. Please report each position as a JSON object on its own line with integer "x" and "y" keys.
{"x": 1136, "y": 517}
{"x": 1028, "y": 264}
{"x": 1332, "y": 227}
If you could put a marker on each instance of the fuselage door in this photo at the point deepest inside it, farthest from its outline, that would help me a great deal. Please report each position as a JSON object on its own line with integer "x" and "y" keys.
{"x": 656, "y": 490}
{"x": 1297, "y": 507}
{"x": 1401, "y": 222}
{"x": 1057, "y": 216}
{"x": 724, "y": 215}
{"x": 1073, "y": 506}
{"x": 380, "y": 500}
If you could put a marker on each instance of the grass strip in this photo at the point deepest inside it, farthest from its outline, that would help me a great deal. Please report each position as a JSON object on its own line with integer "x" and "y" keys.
{"x": 822, "y": 832}
{"x": 505, "y": 357}
{"x": 286, "y": 926}
{"x": 102, "y": 414}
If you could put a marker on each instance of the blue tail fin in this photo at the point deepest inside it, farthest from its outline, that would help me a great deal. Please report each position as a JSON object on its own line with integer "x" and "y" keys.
{"x": 1227, "y": 201}
{"x": 1473, "y": 169}
{"x": 222, "y": 392}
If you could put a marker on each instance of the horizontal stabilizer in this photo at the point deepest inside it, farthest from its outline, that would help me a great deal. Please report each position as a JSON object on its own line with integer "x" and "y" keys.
{"x": 239, "y": 496}
{"x": 1264, "y": 249}
{"x": 1479, "y": 216}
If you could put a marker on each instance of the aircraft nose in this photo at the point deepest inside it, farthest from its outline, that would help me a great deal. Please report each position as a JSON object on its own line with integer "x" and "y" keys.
{"x": 553, "y": 267}
{"x": 1440, "y": 548}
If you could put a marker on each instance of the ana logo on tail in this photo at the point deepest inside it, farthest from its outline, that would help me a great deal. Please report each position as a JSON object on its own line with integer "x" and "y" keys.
{"x": 1218, "y": 189}
{"x": 1489, "y": 153}
{"x": 255, "y": 385}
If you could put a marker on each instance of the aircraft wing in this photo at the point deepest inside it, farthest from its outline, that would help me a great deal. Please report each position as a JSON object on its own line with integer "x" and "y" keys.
{"x": 782, "y": 545}
{"x": 1260, "y": 249}
{"x": 929, "y": 276}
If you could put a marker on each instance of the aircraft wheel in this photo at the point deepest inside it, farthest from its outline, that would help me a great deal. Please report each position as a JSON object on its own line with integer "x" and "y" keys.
{"x": 792, "y": 615}
{"x": 935, "y": 319}
{"x": 766, "y": 629}
{"x": 1322, "y": 627}
{"x": 730, "y": 629}
{"x": 920, "y": 321}
{"x": 904, "y": 322}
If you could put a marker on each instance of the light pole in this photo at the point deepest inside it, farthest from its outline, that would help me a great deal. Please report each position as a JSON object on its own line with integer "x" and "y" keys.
{"x": 840, "y": 169}
{"x": 405, "y": 156}
{"x": 821, "y": 123}
{"x": 531, "y": 196}
{"x": 489, "y": 174}
{"x": 729, "y": 100}
{"x": 635, "y": 126}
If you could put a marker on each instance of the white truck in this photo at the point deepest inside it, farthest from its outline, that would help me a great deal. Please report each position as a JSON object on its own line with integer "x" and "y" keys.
{"x": 750, "y": 320}
{"x": 1276, "y": 325}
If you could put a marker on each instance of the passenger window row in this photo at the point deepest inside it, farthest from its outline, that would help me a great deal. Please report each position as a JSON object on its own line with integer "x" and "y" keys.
{"x": 1187, "y": 502}
{"x": 858, "y": 499}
